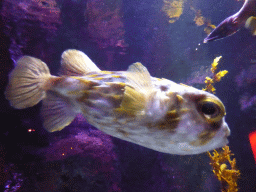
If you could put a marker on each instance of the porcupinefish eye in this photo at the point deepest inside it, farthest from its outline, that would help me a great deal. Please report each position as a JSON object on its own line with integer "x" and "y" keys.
{"x": 211, "y": 109}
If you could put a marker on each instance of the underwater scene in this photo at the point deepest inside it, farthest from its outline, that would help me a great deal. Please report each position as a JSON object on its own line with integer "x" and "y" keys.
{"x": 128, "y": 96}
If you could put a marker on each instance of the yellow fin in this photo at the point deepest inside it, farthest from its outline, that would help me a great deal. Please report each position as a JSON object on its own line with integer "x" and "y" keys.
{"x": 27, "y": 82}
{"x": 138, "y": 90}
{"x": 76, "y": 63}
{"x": 57, "y": 112}
{"x": 134, "y": 102}
{"x": 250, "y": 24}
{"x": 139, "y": 78}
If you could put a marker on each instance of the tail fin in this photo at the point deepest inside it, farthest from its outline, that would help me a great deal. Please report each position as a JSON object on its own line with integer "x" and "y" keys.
{"x": 27, "y": 83}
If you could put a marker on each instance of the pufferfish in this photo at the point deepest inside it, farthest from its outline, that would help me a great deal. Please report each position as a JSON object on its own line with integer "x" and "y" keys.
{"x": 131, "y": 105}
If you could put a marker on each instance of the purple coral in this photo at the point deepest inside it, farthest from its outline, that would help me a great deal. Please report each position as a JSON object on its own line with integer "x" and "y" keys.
{"x": 246, "y": 80}
{"x": 30, "y": 24}
{"x": 105, "y": 24}
{"x": 15, "y": 179}
{"x": 246, "y": 76}
{"x": 247, "y": 102}
{"x": 94, "y": 147}
{"x": 46, "y": 13}
{"x": 94, "y": 143}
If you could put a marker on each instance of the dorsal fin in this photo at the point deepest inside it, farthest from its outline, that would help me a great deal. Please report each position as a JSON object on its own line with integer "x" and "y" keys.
{"x": 76, "y": 63}
{"x": 138, "y": 90}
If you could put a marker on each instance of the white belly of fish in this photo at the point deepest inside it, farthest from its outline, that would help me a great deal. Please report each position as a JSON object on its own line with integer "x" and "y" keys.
{"x": 166, "y": 141}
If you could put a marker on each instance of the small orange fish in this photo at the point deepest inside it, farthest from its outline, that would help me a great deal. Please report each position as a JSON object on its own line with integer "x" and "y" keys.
{"x": 131, "y": 105}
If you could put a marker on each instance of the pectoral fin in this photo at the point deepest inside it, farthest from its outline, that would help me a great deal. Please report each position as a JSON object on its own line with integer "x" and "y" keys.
{"x": 57, "y": 112}
{"x": 138, "y": 90}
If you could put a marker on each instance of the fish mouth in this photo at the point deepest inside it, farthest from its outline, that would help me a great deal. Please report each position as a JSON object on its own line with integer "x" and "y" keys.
{"x": 208, "y": 39}
{"x": 227, "y": 132}
{"x": 213, "y": 36}
{"x": 218, "y": 34}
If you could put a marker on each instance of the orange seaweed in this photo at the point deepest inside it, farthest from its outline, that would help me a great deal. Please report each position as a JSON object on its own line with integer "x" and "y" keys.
{"x": 220, "y": 163}
{"x": 216, "y": 76}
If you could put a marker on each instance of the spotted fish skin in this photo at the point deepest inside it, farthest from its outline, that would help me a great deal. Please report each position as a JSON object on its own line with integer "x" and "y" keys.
{"x": 131, "y": 105}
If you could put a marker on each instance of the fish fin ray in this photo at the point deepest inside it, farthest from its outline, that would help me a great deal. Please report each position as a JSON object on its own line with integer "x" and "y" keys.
{"x": 138, "y": 90}
{"x": 139, "y": 77}
{"x": 57, "y": 112}
{"x": 29, "y": 78}
{"x": 76, "y": 63}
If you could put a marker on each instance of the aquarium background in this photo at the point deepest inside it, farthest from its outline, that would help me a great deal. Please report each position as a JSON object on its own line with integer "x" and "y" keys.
{"x": 166, "y": 36}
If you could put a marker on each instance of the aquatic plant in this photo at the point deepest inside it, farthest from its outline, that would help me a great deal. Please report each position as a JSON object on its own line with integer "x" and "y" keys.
{"x": 173, "y": 9}
{"x": 200, "y": 20}
{"x": 209, "y": 27}
{"x": 216, "y": 76}
{"x": 225, "y": 169}
{"x": 227, "y": 177}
